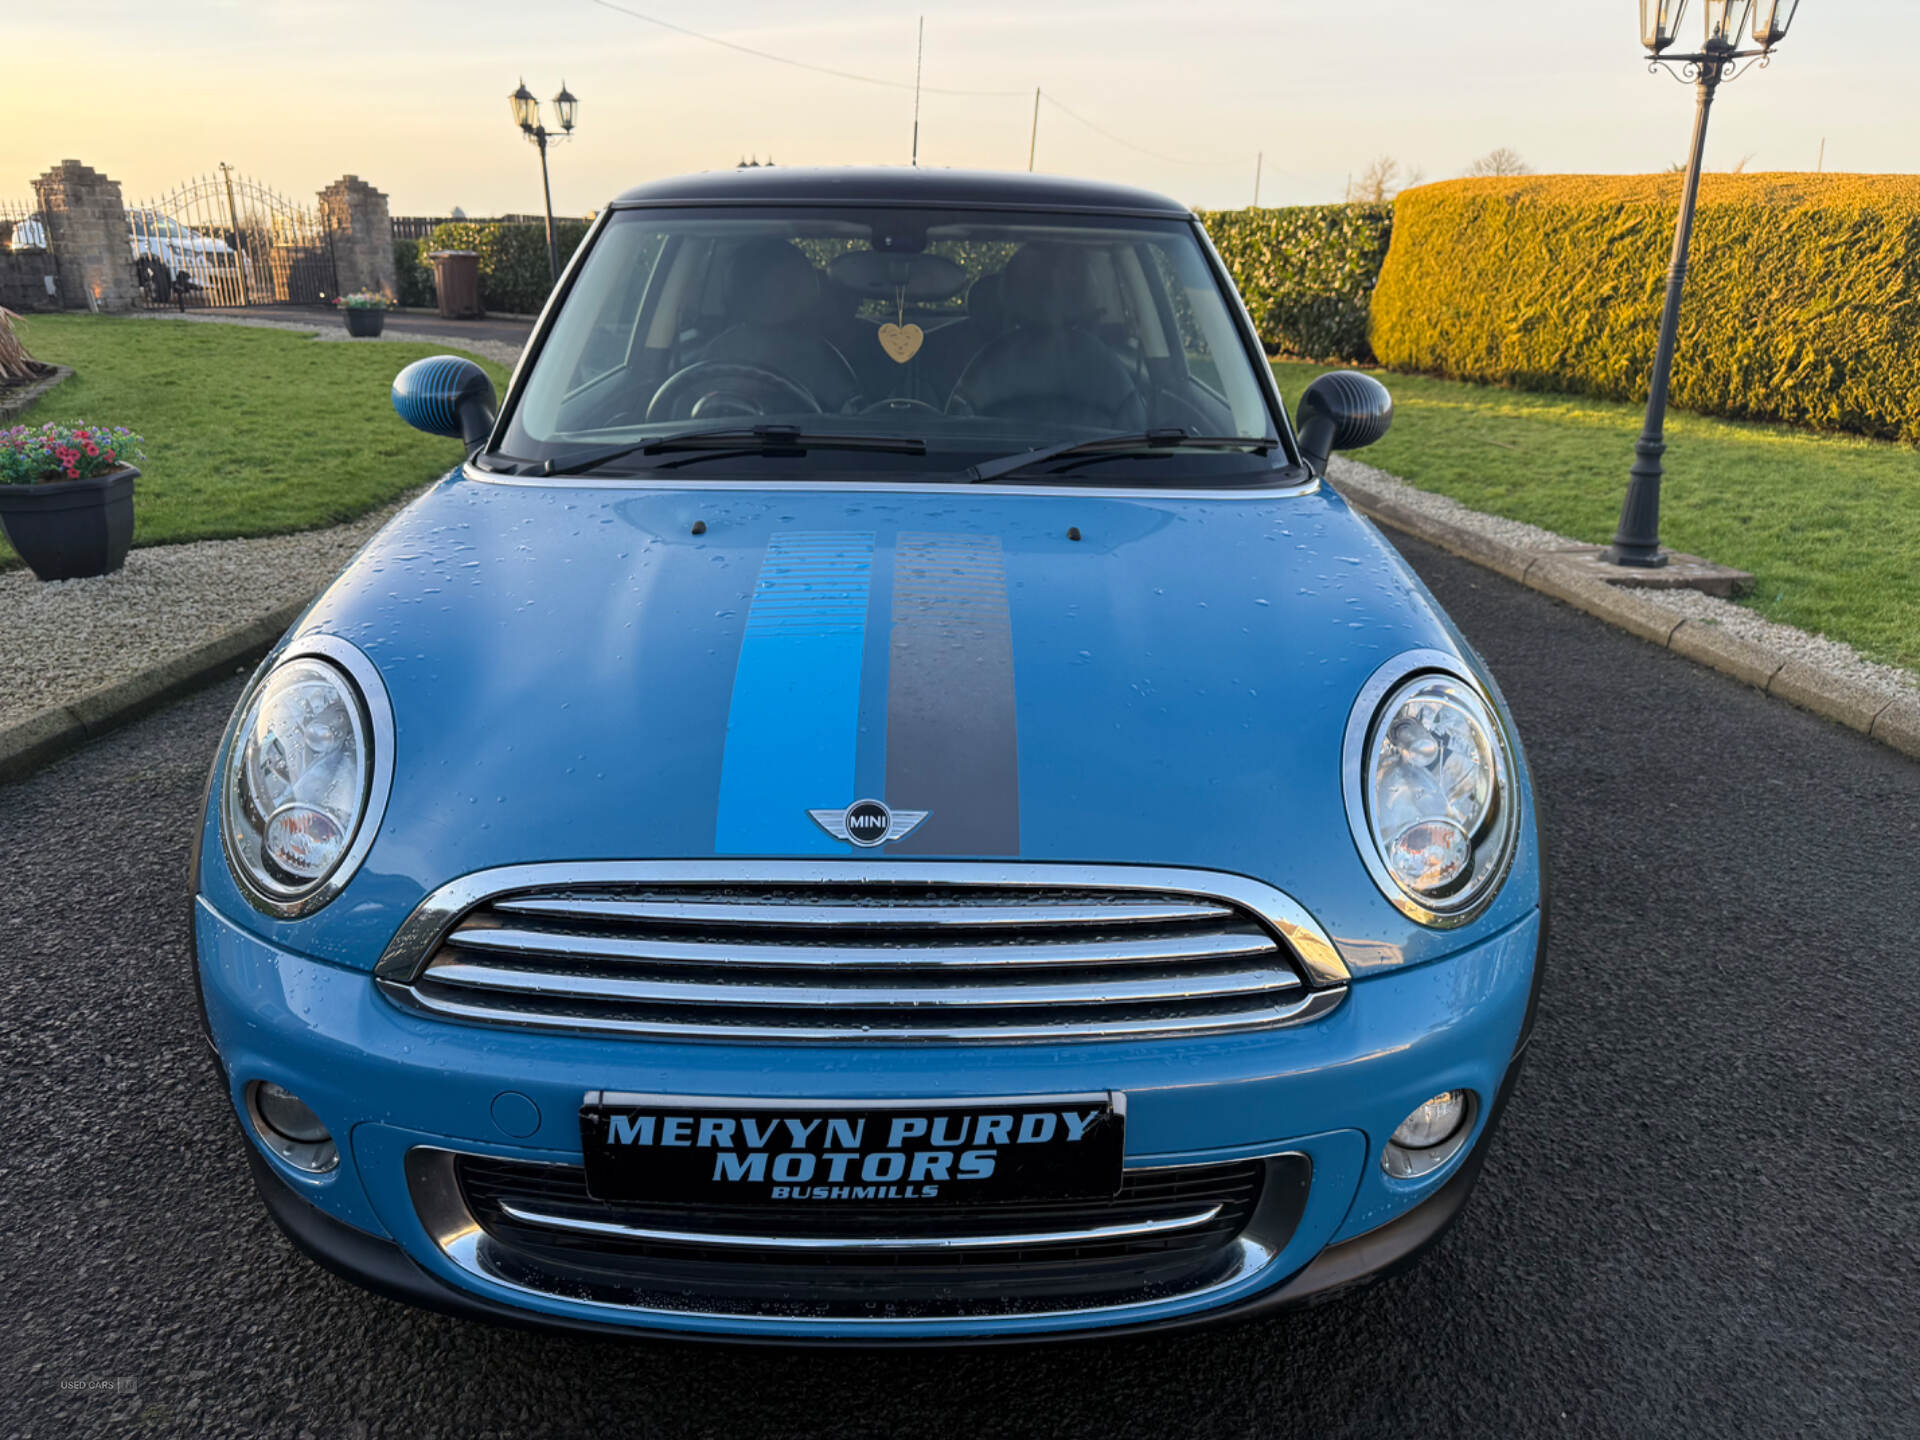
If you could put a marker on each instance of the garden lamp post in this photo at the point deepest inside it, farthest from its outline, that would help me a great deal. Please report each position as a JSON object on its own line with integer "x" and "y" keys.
{"x": 1637, "y": 541}
{"x": 526, "y": 114}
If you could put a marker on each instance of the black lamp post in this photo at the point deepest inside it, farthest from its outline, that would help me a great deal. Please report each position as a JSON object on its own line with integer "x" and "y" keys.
{"x": 1637, "y": 541}
{"x": 526, "y": 114}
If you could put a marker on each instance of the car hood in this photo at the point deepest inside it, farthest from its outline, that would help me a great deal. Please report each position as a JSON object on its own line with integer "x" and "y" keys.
{"x": 616, "y": 671}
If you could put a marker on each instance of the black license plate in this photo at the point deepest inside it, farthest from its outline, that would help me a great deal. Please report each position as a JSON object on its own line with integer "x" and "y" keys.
{"x": 723, "y": 1152}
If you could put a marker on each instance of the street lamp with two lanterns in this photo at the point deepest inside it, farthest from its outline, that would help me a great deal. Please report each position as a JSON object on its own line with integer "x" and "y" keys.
{"x": 526, "y": 114}
{"x": 1637, "y": 541}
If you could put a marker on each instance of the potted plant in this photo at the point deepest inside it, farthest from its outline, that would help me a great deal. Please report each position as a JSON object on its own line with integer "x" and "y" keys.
{"x": 365, "y": 312}
{"x": 66, "y": 496}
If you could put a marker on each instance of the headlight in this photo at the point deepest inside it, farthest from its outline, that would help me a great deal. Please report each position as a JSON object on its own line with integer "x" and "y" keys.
{"x": 1430, "y": 791}
{"x": 299, "y": 782}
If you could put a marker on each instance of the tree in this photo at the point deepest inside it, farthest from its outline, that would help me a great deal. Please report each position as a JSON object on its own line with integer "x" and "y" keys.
{"x": 1382, "y": 180}
{"x": 1502, "y": 161}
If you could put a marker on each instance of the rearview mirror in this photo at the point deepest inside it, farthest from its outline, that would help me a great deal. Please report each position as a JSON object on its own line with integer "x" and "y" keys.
{"x": 1341, "y": 411}
{"x": 445, "y": 395}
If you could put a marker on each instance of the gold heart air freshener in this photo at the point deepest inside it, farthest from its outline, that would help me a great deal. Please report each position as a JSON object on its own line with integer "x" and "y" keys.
{"x": 901, "y": 342}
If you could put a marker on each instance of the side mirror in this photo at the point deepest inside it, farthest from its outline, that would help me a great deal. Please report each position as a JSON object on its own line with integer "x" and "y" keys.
{"x": 445, "y": 395}
{"x": 1341, "y": 411}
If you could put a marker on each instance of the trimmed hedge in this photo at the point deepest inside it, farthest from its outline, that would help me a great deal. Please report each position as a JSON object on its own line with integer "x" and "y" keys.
{"x": 412, "y": 277}
{"x": 1307, "y": 273}
{"x": 514, "y": 278}
{"x": 1802, "y": 303}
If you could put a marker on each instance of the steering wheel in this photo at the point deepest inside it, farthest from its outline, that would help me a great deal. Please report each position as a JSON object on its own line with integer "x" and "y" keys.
{"x": 711, "y": 388}
{"x": 898, "y": 404}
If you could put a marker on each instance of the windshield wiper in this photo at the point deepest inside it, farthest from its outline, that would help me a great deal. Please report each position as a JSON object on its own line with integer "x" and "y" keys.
{"x": 1105, "y": 446}
{"x": 756, "y": 440}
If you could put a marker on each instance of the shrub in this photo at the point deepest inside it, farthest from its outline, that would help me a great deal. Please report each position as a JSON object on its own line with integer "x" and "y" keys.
{"x": 412, "y": 276}
{"x": 1306, "y": 272}
{"x": 1802, "y": 303}
{"x": 514, "y": 278}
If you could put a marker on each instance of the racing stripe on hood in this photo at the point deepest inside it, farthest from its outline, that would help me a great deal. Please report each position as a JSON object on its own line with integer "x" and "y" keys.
{"x": 952, "y": 746}
{"x": 793, "y": 725}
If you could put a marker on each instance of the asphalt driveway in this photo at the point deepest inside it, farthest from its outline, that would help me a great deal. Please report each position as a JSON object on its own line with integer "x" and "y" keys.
{"x": 1701, "y": 1218}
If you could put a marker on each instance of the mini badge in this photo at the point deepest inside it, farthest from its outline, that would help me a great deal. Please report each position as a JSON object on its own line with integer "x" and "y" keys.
{"x": 868, "y": 822}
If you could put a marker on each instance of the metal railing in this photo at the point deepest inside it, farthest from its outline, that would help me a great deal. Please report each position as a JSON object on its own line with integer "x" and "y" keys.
{"x": 419, "y": 227}
{"x": 22, "y": 226}
{"x": 225, "y": 239}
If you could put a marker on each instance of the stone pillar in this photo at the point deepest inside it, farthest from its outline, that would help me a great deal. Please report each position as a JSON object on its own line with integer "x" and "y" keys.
{"x": 362, "y": 235}
{"x": 88, "y": 234}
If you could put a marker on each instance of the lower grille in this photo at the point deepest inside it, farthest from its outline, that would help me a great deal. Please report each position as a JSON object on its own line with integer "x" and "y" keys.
{"x": 1167, "y": 1232}
{"x": 898, "y": 952}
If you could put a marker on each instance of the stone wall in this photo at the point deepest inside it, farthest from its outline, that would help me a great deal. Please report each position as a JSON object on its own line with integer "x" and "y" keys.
{"x": 87, "y": 232}
{"x": 23, "y": 280}
{"x": 362, "y": 235}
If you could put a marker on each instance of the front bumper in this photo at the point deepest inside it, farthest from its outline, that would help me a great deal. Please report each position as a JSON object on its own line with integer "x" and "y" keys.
{"x": 395, "y": 1085}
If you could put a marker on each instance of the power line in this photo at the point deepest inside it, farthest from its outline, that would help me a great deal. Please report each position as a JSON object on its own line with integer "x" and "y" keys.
{"x": 1122, "y": 140}
{"x": 796, "y": 64}
{"x": 916, "y": 87}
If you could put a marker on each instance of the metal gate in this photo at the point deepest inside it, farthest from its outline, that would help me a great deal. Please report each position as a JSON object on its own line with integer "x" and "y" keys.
{"x": 226, "y": 239}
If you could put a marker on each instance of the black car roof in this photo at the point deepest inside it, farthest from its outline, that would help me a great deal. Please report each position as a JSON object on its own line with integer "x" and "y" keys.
{"x": 898, "y": 185}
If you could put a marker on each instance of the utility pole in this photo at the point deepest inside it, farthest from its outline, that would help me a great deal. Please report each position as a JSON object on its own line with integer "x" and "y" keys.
{"x": 1258, "y": 161}
{"x": 919, "y": 53}
{"x": 1033, "y": 141}
{"x": 233, "y": 217}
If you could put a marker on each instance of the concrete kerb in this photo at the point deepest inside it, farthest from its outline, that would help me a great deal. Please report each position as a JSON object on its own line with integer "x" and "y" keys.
{"x": 17, "y": 401}
{"x": 1891, "y": 720}
{"x": 28, "y": 744}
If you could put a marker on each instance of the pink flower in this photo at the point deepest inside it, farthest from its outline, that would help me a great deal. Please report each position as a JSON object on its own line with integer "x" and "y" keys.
{"x": 92, "y": 449}
{"x": 73, "y": 472}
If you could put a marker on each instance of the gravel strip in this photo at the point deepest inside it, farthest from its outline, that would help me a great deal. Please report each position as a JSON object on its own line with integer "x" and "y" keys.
{"x": 494, "y": 350}
{"x": 66, "y": 637}
{"x": 1442, "y": 507}
{"x": 1834, "y": 656}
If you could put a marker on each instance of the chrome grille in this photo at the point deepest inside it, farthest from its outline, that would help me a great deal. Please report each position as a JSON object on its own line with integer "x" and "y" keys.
{"x": 1166, "y": 1232}
{"x": 893, "y": 953}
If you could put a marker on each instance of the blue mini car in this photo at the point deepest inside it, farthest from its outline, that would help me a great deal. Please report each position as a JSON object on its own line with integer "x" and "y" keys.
{"x": 884, "y": 800}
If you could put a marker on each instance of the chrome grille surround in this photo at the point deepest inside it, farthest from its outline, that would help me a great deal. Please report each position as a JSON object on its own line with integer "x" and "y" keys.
{"x": 1183, "y": 1232}
{"x": 877, "y": 951}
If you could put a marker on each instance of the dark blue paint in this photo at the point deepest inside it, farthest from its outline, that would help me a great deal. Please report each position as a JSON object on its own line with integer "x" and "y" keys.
{"x": 430, "y": 394}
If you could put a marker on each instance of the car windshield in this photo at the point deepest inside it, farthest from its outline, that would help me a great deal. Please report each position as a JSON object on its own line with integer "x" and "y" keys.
{"x": 156, "y": 224}
{"x": 979, "y": 334}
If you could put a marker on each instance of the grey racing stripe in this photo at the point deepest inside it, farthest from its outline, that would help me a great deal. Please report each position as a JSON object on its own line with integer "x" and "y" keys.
{"x": 952, "y": 743}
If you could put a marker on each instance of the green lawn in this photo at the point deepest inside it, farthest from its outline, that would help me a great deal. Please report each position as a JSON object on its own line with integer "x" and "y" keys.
{"x": 248, "y": 431}
{"x": 1829, "y": 524}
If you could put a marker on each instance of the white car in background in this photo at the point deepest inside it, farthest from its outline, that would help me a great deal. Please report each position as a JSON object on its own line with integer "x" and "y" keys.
{"x": 178, "y": 247}
{"x": 160, "y": 239}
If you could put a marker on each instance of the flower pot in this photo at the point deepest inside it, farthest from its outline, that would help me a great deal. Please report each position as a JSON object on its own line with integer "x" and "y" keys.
{"x": 365, "y": 324}
{"x": 65, "y": 529}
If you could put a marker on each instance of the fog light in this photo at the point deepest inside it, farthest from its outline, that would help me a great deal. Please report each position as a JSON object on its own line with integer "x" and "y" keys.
{"x": 289, "y": 1128}
{"x": 1429, "y": 1137}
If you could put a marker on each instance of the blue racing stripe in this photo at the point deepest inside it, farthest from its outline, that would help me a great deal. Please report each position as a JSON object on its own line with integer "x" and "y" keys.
{"x": 793, "y": 726}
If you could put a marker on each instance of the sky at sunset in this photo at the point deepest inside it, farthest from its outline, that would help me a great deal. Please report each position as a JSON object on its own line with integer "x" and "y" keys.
{"x": 411, "y": 94}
